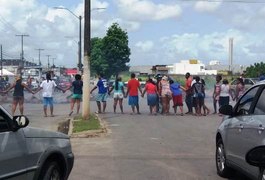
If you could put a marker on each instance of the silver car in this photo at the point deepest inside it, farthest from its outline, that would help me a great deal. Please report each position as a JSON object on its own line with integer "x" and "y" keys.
{"x": 240, "y": 138}
{"x": 31, "y": 153}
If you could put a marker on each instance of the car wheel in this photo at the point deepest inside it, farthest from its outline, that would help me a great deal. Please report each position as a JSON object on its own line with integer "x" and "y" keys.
{"x": 220, "y": 158}
{"x": 51, "y": 171}
{"x": 261, "y": 174}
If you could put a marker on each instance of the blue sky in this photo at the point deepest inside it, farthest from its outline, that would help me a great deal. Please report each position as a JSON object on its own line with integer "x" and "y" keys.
{"x": 160, "y": 31}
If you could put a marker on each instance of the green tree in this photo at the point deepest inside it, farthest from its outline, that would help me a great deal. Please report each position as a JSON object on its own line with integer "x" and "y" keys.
{"x": 116, "y": 50}
{"x": 97, "y": 62}
{"x": 255, "y": 70}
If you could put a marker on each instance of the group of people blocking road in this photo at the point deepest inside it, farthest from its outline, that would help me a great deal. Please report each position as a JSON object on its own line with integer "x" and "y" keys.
{"x": 161, "y": 91}
{"x": 159, "y": 94}
{"x": 47, "y": 86}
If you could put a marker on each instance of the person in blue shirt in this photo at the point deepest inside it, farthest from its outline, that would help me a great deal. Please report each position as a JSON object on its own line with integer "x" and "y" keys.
{"x": 176, "y": 90}
{"x": 102, "y": 95}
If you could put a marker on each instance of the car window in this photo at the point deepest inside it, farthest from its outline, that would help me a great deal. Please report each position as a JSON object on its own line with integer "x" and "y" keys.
{"x": 248, "y": 82}
{"x": 260, "y": 106}
{"x": 4, "y": 126}
{"x": 245, "y": 102}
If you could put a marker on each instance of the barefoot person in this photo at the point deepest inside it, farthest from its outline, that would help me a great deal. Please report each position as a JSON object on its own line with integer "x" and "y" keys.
{"x": 77, "y": 94}
{"x": 119, "y": 94}
{"x": 18, "y": 95}
{"x": 47, "y": 86}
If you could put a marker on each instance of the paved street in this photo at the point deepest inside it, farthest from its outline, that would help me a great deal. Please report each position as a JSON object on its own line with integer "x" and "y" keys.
{"x": 139, "y": 147}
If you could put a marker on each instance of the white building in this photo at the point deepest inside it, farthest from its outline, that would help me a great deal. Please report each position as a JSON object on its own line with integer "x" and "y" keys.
{"x": 193, "y": 66}
{"x": 214, "y": 62}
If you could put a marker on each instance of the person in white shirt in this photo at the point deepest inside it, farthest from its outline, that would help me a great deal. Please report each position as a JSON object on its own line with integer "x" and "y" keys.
{"x": 48, "y": 87}
{"x": 225, "y": 94}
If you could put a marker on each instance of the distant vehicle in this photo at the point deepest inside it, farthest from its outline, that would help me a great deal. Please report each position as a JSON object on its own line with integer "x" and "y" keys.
{"x": 4, "y": 84}
{"x": 64, "y": 83}
{"x": 32, "y": 153}
{"x": 240, "y": 138}
{"x": 247, "y": 81}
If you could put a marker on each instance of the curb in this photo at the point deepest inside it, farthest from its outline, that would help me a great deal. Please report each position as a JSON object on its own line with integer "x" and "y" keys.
{"x": 103, "y": 131}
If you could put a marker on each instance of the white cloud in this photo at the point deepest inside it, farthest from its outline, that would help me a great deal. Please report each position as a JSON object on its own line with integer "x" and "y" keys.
{"x": 145, "y": 46}
{"x": 207, "y": 6}
{"x": 126, "y": 25}
{"x": 143, "y": 10}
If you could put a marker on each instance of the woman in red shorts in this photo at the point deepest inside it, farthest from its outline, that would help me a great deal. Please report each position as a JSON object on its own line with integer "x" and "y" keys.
{"x": 176, "y": 88}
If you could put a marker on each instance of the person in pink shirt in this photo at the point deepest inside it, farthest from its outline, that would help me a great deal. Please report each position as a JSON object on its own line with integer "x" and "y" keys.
{"x": 151, "y": 90}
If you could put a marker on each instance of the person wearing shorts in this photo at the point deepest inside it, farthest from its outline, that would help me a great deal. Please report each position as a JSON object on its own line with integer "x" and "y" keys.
{"x": 102, "y": 95}
{"x": 152, "y": 93}
{"x": 132, "y": 90}
{"x": 18, "y": 95}
{"x": 77, "y": 94}
{"x": 118, "y": 94}
{"x": 176, "y": 88}
{"x": 47, "y": 86}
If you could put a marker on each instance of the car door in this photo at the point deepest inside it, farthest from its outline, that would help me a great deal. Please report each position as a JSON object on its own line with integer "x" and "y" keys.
{"x": 238, "y": 131}
{"x": 12, "y": 150}
{"x": 256, "y": 129}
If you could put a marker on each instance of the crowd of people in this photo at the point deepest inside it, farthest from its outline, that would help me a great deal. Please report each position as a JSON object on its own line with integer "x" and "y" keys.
{"x": 160, "y": 91}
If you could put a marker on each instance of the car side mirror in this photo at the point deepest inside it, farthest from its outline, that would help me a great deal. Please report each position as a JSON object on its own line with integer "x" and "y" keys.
{"x": 256, "y": 156}
{"x": 226, "y": 110}
{"x": 20, "y": 122}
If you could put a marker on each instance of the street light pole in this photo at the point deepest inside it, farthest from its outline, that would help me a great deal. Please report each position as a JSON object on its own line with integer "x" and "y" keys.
{"x": 48, "y": 61}
{"x": 22, "y": 51}
{"x": 79, "y": 64}
{"x": 39, "y": 55}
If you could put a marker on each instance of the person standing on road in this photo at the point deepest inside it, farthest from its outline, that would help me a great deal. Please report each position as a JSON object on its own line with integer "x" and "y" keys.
{"x": 77, "y": 94}
{"x": 225, "y": 94}
{"x": 216, "y": 92}
{"x": 206, "y": 110}
{"x": 102, "y": 95}
{"x": 119, "y": 94}
{"x": 240, "y": 89}
{"x": 176, "y": 88}
{"x": 159, "y": 103}
{"x": 198, "y": 92}
{"x": 165, "y": 94}
{"x": 189, "y": 93}
{"x": 18, "y": 95}
{"x": 47, "y": 86}
{"x": 132, "y": 90}
{"x": 151, "y": 90}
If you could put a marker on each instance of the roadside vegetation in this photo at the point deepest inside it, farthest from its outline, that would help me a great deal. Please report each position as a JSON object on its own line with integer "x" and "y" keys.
{"x": 80, "y": 125}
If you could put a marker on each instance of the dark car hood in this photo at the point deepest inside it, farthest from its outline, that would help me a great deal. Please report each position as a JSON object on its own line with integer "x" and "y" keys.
{"x": 31, "y": 132}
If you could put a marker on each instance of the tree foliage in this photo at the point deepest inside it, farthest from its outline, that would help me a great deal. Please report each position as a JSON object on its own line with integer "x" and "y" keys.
{"x": 255, "y": 70}
{"x": 110, "y": 54}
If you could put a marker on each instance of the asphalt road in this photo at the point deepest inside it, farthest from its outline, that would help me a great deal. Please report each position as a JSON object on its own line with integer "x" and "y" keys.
{"x": 137, "y": 147}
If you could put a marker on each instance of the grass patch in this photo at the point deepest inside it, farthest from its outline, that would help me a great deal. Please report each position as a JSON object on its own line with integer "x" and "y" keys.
{"x": 80, "y": 125}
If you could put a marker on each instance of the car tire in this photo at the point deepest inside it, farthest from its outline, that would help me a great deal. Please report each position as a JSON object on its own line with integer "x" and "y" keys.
{"x": 220, "y": 158}
{"x": 51, "y": 171}
{"x": 261, "y": 174}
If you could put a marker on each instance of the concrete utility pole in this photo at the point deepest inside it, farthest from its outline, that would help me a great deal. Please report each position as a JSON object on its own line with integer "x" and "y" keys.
{"x": 86, "y": 62}
{"x": 22, "y": 51}
{"x": 231, "y": 54}
{"x": 39, "y": 55}
{"x": 53, "y": 62}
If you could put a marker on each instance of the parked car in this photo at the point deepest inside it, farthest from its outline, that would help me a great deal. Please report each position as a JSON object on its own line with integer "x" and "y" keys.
{"x": 241, "y": 133}
{"x": 64, "y": 83}
{"x": 247, "y": 81}
{"x": 31, "y": 153}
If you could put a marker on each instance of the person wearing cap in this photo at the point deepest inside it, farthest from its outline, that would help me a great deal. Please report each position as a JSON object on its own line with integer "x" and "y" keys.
{"x": 165, "y": 94}
{"x": 18, "y": 95}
